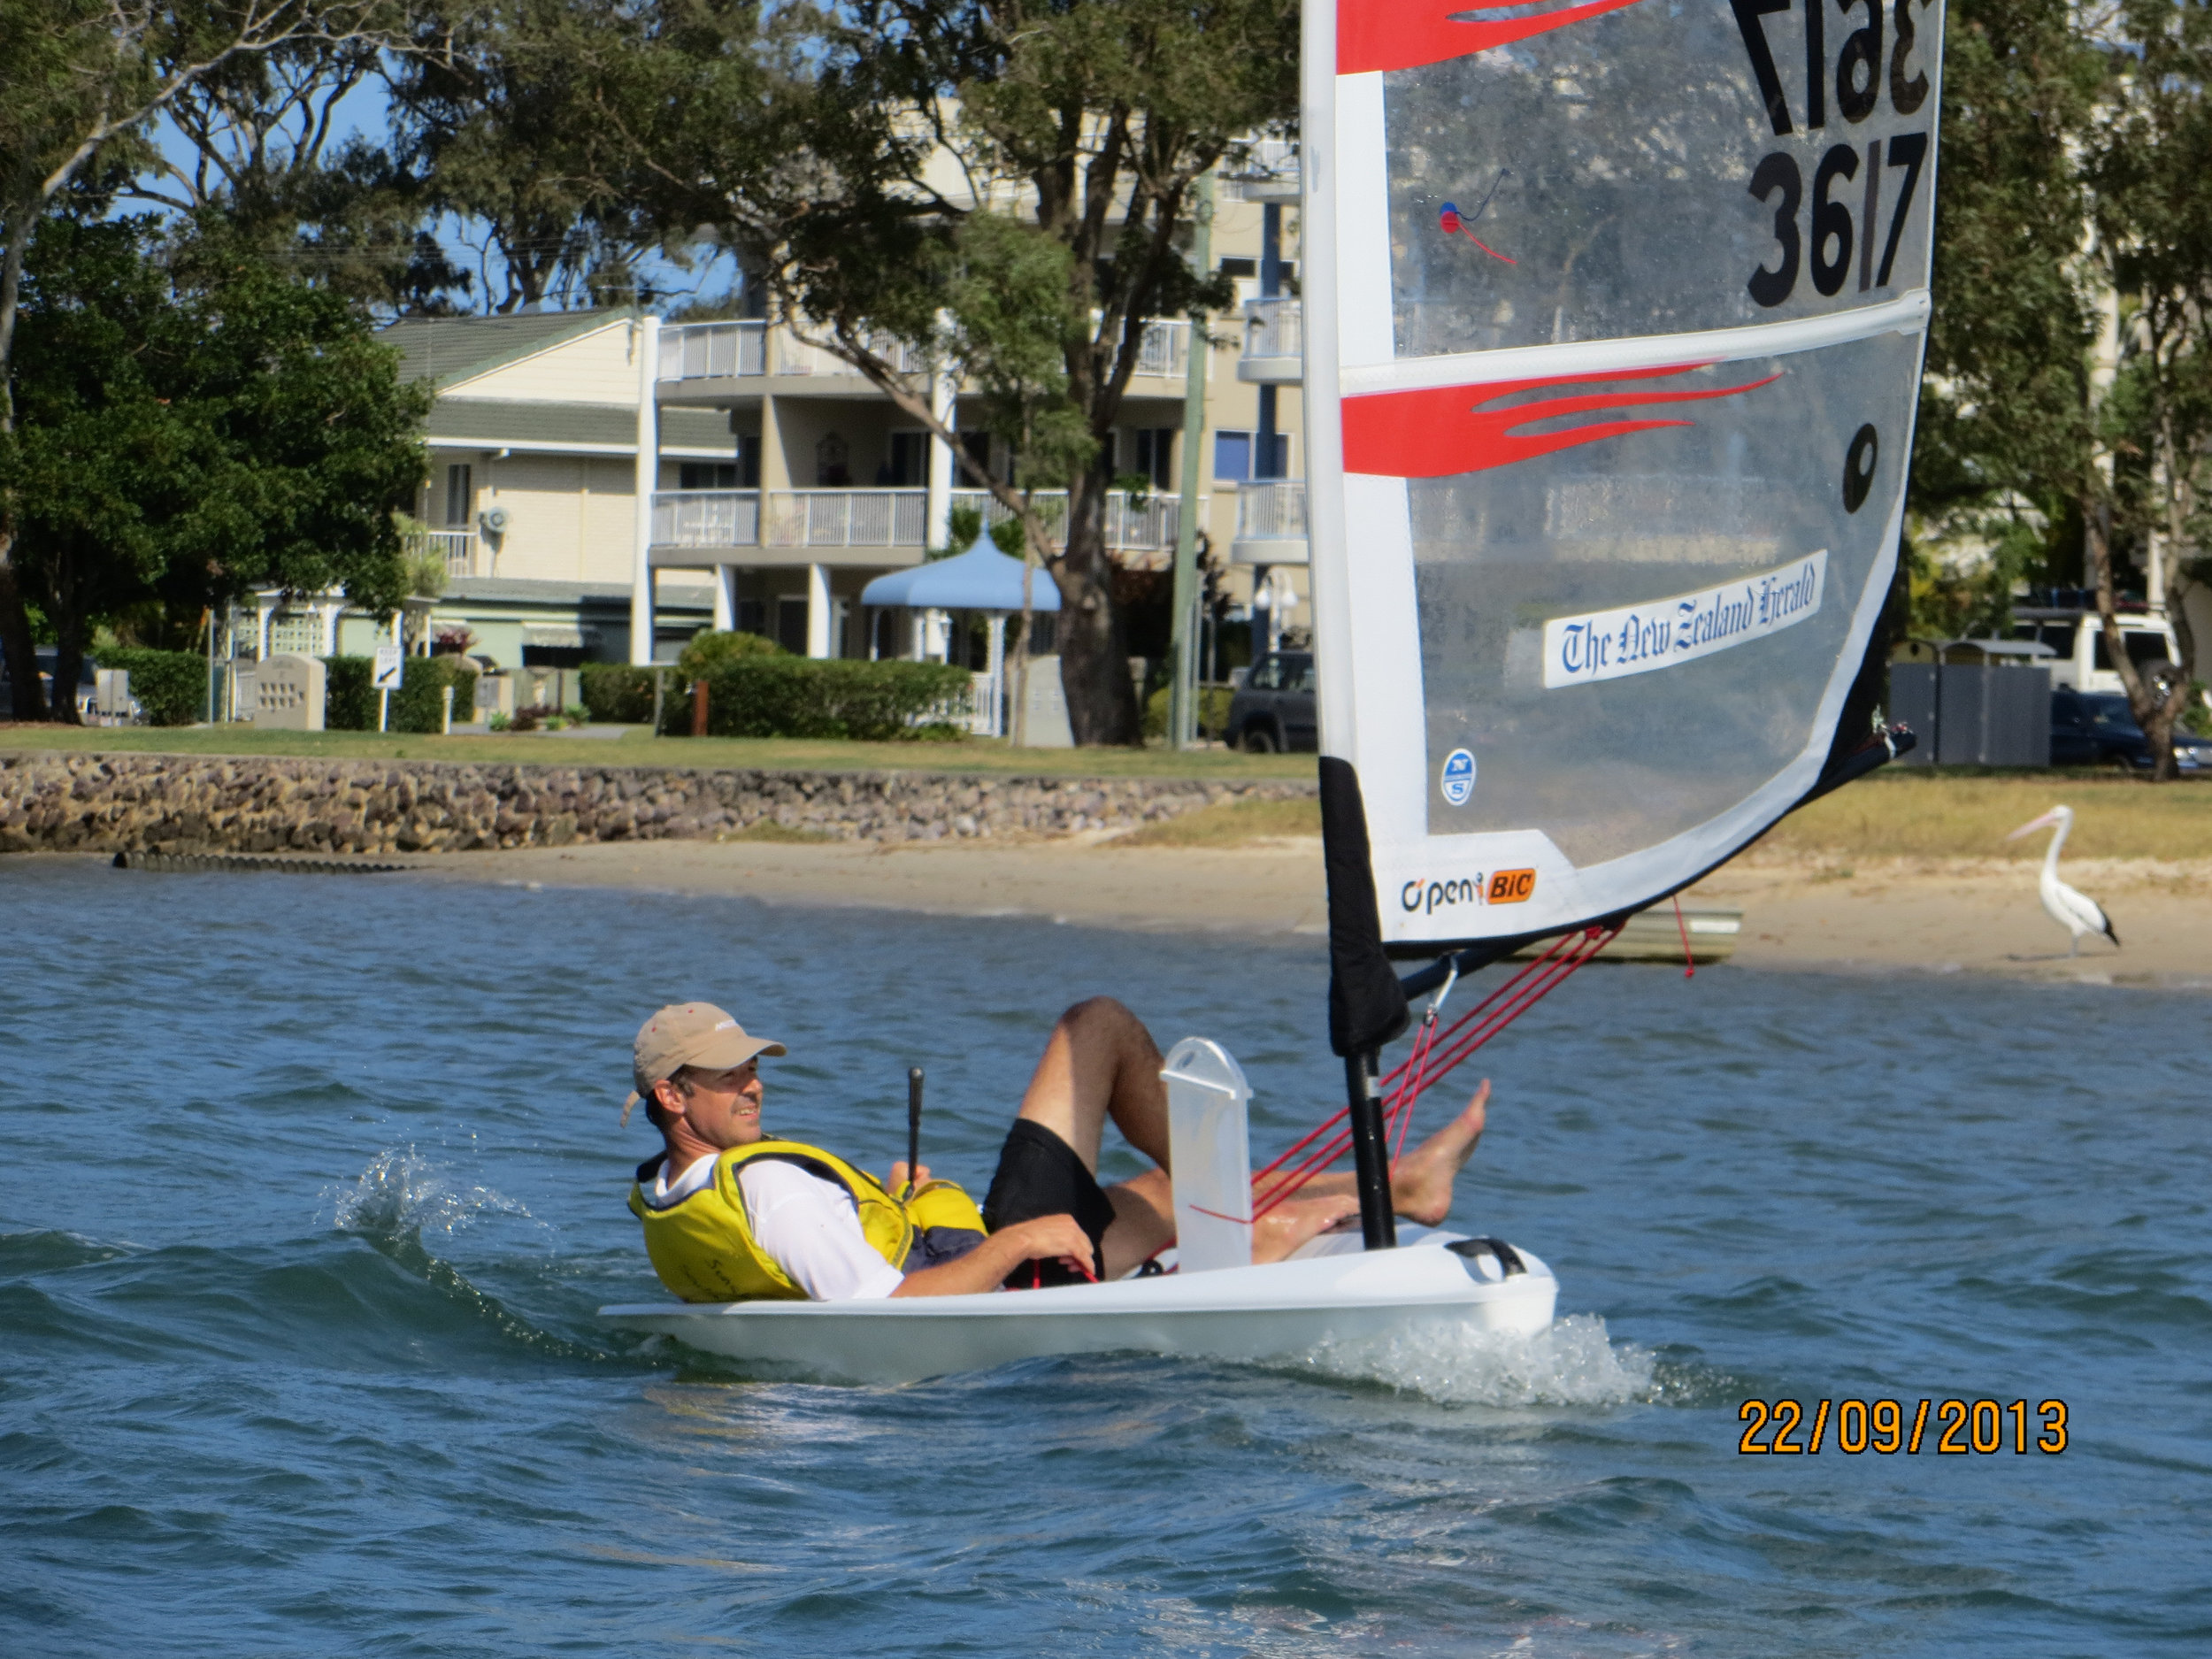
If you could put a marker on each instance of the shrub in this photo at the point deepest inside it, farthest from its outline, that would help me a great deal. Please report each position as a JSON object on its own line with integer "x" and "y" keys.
{"x": 619, "y": 694}
{"x": 419, "y": 705}
{"x": 709, "y": 651}
{"x": 350, "y": 698}
{"x": 798, "y": 697}
{"x": 1213, "y": 712}
{"x": 170, "y": 685}
{"x": 348, "y": 705}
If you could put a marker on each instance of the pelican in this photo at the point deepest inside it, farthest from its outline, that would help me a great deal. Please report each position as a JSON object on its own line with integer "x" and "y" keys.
{"x": 2076, "y": 912}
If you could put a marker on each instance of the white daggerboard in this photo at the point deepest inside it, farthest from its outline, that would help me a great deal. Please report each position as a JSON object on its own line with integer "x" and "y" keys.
{"x": 1614, "y": 325}
{"x": 1209, "y": 1155}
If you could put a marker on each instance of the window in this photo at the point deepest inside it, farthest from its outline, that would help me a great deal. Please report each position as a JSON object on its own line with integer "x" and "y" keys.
{"x": 707, "y": 475}
{"x": 1156, "y": 454}
{"x": 2144, "y": 647}
{"x": 1233, "y": 456}
{"x": 1266, "y": 675}
{"x": 460, "y": 495}
{"x": 831, "y": 458}
{"x": 791, "y": 625}
{"x": 1240, "y": 267}
{"x": 910, "y": 460}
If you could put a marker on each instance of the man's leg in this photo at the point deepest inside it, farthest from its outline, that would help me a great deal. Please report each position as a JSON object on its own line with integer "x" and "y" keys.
{"x": 1421, "y": 1184}
{"x": 1100, "y": 1065}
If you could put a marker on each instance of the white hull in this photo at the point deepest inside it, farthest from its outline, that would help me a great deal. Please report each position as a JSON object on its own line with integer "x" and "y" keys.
{"x": 1281, "y": 1310}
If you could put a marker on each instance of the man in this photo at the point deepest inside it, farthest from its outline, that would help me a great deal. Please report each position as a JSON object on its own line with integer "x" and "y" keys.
{"x": 732, "y": 1215}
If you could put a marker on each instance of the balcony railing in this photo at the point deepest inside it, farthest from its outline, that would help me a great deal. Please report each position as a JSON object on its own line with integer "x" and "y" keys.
{"x": 706, "y": 518}
{"x": 789, "y": 518}
{"x": 1145, "y": 522}
{"x": 1273, "y": 511}
{"x": 696, "y": 351}
{"x": 1165, "y": 350}
{"x": 700, "y": 351}
{"x": 1274, "y": 328}
{"x": 460, "y": 549}
{"x": 877, "y": 517}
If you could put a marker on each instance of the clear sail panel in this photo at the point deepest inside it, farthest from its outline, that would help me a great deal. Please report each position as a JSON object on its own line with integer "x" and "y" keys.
{"x": 1625, "y": 634}
{"x": 1658, "y": 169}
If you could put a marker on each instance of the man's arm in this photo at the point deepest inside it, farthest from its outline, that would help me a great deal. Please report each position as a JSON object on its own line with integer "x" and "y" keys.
{"x": 987, "y": 1266}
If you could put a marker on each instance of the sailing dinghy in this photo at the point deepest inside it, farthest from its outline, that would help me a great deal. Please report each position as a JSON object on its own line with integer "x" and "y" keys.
{"x": 1615, "y": 314}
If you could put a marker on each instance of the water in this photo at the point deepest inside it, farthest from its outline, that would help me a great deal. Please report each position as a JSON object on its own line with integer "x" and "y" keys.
{"x": 309, "y": 1189}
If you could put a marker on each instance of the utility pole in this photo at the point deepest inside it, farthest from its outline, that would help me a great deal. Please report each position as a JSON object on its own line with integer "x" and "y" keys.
{"x": 1182, "y": 697}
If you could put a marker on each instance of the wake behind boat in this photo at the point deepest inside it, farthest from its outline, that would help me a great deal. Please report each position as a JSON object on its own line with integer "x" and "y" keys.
{"x": 1603, "y": 508}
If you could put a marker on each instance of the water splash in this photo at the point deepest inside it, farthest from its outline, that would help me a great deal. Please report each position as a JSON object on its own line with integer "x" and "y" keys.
{"x": 401, "y": 1194}
{"x": 1572, "y": 1362}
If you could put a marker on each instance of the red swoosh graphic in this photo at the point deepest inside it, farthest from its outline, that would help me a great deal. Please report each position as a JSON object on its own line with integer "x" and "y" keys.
{"x": 1376, "y": 35}
{"x": 1438, "y": 433}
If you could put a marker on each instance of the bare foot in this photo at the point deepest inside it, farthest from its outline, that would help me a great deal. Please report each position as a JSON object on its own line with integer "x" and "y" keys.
{"x": 1296, "y": 1220}
{"x": 1421, "y": 1186}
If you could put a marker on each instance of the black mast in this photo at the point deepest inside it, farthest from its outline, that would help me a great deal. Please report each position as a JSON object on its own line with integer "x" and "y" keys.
{"x": 1367, "y": 1005}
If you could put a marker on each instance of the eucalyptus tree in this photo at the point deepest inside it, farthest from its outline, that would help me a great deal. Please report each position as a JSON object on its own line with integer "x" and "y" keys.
{"x": 1003, "y": 191}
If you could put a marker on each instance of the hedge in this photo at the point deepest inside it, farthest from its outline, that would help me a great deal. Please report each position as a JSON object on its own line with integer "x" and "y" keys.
{"x": 170, "y": 685}
{"x": 349, "y": 699}
{"x": 621, "y": 694}
{"x": 799, "y": 696}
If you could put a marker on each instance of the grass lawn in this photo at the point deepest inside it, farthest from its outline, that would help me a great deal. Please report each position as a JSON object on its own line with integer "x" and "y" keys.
{"x": 1893, "y": 814}
{"x": 633, "y": 747}
{"x": 1918, "y": 813}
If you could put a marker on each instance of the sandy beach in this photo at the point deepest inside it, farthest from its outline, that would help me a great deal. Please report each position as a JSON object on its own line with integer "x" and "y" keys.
{"x": 1935, "y": 916}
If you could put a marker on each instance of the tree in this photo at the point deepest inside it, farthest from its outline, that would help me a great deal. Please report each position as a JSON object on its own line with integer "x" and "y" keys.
{"x": 2067, "y": 409}
{"x": 80, "y": 82}
{"x": 1002, "y": 191}
{"x": 2149, "y": 173}
{"x": 191, "y": 426}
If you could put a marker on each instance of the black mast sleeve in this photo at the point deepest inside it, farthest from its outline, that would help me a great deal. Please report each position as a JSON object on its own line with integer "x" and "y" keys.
{"x": 1367, "y": 1006}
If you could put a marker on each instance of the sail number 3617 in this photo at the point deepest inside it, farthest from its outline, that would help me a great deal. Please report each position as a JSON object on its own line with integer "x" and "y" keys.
{"x": 1831, "y": 234}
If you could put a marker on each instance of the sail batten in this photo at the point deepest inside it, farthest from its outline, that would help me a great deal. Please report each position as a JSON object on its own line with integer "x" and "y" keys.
{"x": 1616, "y": 315}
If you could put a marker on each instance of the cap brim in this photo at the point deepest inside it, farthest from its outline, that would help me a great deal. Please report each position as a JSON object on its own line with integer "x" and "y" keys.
{"x": 730, "y": 1049}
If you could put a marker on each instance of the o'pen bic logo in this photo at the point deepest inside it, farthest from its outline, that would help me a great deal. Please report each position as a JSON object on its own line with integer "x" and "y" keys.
{"x": 1458, "y": 781}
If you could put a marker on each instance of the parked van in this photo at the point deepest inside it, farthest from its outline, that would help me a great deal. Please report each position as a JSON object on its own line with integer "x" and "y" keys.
{"x": 2079, "y": 658}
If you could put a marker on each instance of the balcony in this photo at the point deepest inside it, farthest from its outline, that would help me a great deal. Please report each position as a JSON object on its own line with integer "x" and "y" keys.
{"x": 714, "y": 519}
{"x": 1134, "y": 524}
{"x": 722, "y": 521}
{"x": 1274, "y": 342}
{"x": 1271, "y": 523}
{"x": 464, "y": 553}
{"x": 736, "y": 350}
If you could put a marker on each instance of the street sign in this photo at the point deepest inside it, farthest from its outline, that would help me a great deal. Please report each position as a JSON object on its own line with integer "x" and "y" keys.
{"x": 387, "y": 668}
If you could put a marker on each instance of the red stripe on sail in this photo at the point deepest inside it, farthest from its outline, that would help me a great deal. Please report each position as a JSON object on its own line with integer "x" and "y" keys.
{"x": 1377, "y": 34}
{"x": 1445, "y": 430}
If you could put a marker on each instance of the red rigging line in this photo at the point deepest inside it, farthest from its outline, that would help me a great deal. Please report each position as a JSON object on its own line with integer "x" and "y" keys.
{"x": 1434, "y": 1056}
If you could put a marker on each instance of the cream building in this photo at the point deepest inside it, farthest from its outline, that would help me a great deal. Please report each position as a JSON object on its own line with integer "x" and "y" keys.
{"x": 602, "y": 484}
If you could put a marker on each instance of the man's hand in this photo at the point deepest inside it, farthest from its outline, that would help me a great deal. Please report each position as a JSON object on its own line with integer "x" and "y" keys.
{"x": 1048, "y": 1238}
{"x": 897, "y": 1183}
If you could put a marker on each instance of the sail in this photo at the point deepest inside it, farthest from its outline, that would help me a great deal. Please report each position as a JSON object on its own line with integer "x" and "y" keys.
{"x": 1615, "y": 319}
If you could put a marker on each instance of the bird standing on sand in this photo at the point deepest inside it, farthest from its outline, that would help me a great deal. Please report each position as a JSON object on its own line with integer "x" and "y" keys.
{"x": 2076, "y": 911}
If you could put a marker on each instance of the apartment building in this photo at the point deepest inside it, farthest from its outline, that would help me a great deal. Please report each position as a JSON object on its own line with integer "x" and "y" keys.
{"x": 602, "y": 484}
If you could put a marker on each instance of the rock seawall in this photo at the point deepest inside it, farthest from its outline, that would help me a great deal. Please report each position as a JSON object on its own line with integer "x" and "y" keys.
{"x": 92, "y": 803}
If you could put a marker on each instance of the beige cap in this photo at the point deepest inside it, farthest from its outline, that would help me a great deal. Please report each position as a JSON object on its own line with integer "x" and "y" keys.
{"x": 689, "y": 1034}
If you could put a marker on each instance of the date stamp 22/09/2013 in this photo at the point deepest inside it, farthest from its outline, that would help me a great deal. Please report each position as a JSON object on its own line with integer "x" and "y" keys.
{"x": 1960, "y": 1427}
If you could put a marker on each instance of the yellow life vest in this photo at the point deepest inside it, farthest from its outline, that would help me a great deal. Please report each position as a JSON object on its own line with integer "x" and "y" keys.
{"x": 704, "y": 1248}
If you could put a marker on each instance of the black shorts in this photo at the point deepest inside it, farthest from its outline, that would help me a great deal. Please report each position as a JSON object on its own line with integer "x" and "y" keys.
{"x": 1040, "y": 1174}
